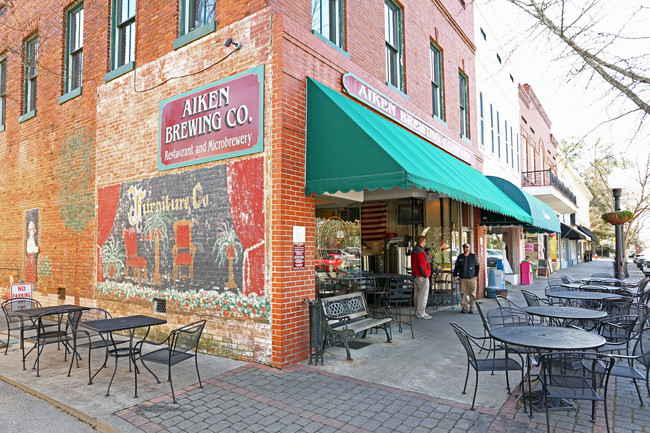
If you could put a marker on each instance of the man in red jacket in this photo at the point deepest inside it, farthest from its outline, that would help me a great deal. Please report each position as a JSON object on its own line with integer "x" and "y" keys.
{"x": 421, "y": 270}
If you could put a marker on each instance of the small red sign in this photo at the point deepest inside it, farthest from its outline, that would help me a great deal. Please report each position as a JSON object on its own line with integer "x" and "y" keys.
{"x": 299, "y": 256}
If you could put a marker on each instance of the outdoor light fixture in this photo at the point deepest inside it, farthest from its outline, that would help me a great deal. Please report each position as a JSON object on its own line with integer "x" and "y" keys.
{"x": 230, "y": 42}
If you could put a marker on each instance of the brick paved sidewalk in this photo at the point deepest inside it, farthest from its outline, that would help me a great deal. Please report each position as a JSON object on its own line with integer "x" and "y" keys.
{"x": 255, "y": 398}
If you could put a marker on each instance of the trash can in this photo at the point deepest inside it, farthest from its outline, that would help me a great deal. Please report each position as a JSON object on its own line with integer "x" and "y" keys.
{"x": 316, "y": 333}
{"x": 496, "y": 281}
{"x": 526, "y": 270}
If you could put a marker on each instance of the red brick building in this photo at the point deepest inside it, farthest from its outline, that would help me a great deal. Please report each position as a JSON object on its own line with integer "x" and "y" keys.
{"x": 169, "y": 158}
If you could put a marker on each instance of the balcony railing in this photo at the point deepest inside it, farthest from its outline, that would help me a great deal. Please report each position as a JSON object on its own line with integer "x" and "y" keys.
{"x": 546, "y": 178}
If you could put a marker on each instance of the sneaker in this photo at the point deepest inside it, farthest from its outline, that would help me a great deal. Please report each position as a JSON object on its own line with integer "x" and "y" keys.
{"x": 463, "y": 311}
{"x": 424, "y": 316}
{"x": 471, "y": 311}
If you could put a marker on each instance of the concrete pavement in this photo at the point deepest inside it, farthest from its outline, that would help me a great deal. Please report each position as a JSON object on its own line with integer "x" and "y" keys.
{"x": 408, "y": 385}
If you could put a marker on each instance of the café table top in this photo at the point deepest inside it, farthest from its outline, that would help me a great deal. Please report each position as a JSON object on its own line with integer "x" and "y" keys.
{"x": 584, "y": 296}
{"x": 547, "y": 337}
{"x": 52, "y": 309}
{"x": 561, "y": 312}
{"x": 122, "y": 323}
{"x": 572, "y": 285}
{"x": 607, "y": 279}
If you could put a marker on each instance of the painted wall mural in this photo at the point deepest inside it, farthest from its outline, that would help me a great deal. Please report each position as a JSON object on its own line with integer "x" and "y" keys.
{"x": 31, "y": 247}
{"x": 195, "y": 238}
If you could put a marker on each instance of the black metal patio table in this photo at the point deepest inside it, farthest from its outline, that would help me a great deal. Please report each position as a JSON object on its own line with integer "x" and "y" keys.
{"x": 565, "y": 313}
{"x": 106, "y": 328}
{"x": 584, "y": 296}
{"x": 45, "y": 336}
{"x": 607, "y": 280}
{"x": 543, "y": 338}
{"x": 548, "y": 337}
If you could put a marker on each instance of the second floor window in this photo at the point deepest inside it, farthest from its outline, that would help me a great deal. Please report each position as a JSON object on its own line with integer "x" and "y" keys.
{"x": 3, "y": 92}
{"x": 31, "y": 73}
{"x": 123, "y": 32}
{"x": 393, "y": 30}
{"x": 436, "y": 82}
{"x": 327, "y": 20}
{"x": 196, "y": 13}
{"x": 464, "y": 106}
{"x": 74, "y": 48}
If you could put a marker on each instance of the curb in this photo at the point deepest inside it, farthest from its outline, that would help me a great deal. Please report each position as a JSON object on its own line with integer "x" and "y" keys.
{"x": 94, "y": 422}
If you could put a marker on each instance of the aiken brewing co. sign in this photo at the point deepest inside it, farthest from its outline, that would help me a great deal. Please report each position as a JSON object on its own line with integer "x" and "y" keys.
{"x": 217, "y": 121}
{"x": 373, "y": 98}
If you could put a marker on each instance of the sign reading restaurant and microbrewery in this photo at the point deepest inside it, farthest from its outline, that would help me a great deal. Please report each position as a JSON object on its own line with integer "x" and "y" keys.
{"x": 220, "y": 120}
{"x": 367, "y": 95}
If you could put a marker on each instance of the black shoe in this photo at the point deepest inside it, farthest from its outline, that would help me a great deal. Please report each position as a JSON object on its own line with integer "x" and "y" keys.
{"x": 471, "y": 311}
{"x": 463, "y": 311}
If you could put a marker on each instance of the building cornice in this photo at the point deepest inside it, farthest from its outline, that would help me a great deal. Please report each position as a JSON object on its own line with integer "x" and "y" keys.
{"x": 454, "y": 24}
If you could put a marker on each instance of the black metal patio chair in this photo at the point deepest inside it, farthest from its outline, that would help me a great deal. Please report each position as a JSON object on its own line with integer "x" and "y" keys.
{"x": 618, "y": 331}
{"x": 492, "y": 364}
{"x": 16, "y": 322}
{"x": 637, "y": 365}
{"x": 568, "y": 377}
{"x": 532, "y": 300}
{"x": 86, "y": 338}
{"x": 182, "y": 344}
{"x": 400, "y": 297}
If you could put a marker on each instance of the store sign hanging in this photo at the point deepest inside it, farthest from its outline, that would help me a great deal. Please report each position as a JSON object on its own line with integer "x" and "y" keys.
{"x": 220, "y": 120}
{"x": 371, "y": 97}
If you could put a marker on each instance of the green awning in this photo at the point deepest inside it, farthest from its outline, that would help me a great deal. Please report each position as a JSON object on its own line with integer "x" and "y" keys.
{"x": 351, "y": 148}
{"x": 544, "y": 217}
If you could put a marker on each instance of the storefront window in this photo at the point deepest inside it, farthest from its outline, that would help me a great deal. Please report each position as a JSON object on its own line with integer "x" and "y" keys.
{"x": 338, "y": 248}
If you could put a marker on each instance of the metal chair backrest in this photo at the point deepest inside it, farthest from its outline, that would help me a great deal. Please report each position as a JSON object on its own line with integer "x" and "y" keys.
{"x": 555, "y": 282}
{"x": 77, "y": 316}
{"x": 617, "y": 329}
{"x": 642, "y": 347}
{"x": 486, "y": 325}
{"x": 186, "y": 338}
{"x": 502, "y": 301}
{"x": 506, "y": 316}
{"x": 11, "y": 305}
{"x": 532, "y": 300}
{"x": 554, "y": 288}
{"x": 465, "y": 340}
{"x": 620, "y": 308}
{"x": 366, "y": 284}
{"x": 401, "y": 290}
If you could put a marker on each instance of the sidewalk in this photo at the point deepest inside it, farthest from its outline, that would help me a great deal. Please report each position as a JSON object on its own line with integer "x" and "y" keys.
{"x": 409, "y": 385}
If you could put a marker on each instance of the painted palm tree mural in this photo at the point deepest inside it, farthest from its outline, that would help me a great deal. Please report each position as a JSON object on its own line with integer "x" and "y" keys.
{"x": 227, "y": 247}
{"x": 156, "y": 225}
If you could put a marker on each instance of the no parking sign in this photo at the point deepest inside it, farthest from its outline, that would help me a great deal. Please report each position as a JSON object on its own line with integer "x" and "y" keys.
{"x": 21, "y": 291}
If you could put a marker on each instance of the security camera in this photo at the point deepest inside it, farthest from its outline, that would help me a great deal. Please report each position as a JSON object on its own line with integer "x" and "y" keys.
{"x": 230, "y": 42}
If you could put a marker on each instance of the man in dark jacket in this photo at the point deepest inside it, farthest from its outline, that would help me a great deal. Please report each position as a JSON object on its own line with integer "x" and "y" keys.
{"x": 421, "y": 270}
{"x": 466, "y": 270}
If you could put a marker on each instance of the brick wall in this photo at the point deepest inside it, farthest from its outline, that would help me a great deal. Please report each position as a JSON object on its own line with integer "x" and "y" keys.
{"x": 35, "y": 171}
{"x": 121, "y": 117}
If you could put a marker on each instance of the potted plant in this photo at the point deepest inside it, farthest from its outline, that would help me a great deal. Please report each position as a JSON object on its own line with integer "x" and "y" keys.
{"x": 619, "y": 217}
{"x": 227, "y": 247}
{"x": 112, "y": 258}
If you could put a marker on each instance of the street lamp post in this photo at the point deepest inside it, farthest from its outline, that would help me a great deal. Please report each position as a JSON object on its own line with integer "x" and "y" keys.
{"x": 618, "y": 231}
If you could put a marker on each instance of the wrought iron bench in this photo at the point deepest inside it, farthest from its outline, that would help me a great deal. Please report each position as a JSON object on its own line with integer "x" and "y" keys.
{"x": 346, "y": 317}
